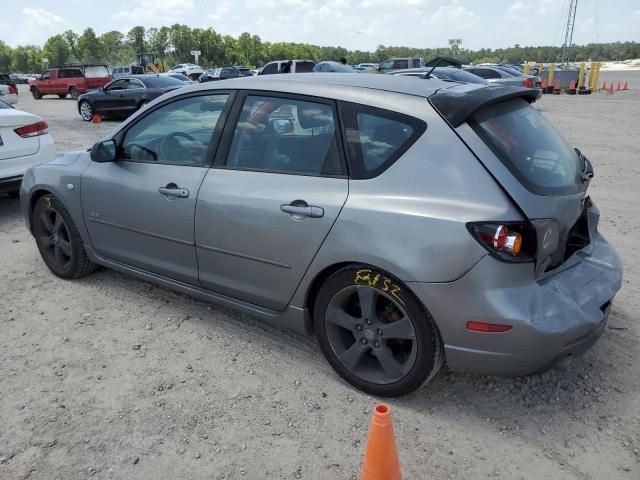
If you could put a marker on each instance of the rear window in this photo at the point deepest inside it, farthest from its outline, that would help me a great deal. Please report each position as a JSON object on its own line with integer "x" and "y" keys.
{"x": 304, "y": 67}
{"x": 530, "y": 147}
{"x": 377, "y": 138}
{"x": 70, "y": 73}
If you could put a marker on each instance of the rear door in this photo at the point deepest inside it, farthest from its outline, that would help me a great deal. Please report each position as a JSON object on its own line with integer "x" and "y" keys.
{"x": 276, "y": 190}
{"x": 139, "y": 210}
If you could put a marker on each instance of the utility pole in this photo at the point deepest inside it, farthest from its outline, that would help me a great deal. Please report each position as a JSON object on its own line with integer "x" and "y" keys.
{"x": 568, "y": 34}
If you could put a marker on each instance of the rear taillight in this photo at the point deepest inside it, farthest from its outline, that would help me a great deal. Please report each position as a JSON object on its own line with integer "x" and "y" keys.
{"x": 12, "y": 90}
{"x": 510, "y": 241}
{"x": 528, "y": 82}
{"x": 33, "y": 130}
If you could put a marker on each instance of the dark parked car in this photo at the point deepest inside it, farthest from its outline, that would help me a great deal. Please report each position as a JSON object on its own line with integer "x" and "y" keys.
{"x": 220, "y": 74}
{"x": 7, "y": 80}
{"x": 244, "y": 71}
{"x": 443, "y": 73}
{"x": 124, "y": 96}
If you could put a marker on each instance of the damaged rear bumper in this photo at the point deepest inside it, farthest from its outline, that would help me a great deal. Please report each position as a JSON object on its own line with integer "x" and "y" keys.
{"x": 552, "y": 319}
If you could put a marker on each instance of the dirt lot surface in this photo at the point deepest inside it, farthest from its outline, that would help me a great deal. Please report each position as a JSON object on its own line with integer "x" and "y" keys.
{"x": 111, "y": 377}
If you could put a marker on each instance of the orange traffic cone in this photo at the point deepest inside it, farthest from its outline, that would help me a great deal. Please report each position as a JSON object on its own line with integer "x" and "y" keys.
{"x": 604, "y": 85}
{"x": 381, "y": 457}
{"x": 618, "y": 89}
{"x": 556, "y": 88}
{"x": 626, "y": 87}
{"x": 96, "y": 118}
{"x": 610, "y": 91}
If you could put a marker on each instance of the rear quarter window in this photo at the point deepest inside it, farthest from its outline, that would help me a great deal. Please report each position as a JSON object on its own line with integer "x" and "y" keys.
{"x": 530, "y": 147}
{"x": 377, "y": 138}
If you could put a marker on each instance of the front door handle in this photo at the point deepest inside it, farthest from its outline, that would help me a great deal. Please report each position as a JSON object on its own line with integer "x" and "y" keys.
{"x": 300, "y": 209}
{"x": 172, "y": 190}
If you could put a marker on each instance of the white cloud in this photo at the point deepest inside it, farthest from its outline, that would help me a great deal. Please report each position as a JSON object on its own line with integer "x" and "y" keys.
{"x": 453, "y": 17}
{"x": 221, "y": 10}
{"x": 38, "y": 24}
{"x": 156, "y": 10}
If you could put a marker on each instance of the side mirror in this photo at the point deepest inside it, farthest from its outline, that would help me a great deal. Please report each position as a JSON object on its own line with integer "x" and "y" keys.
{"x": 282, "y": 126}
{"x": 104, "y": 151}
{"x": 101, "y": 89}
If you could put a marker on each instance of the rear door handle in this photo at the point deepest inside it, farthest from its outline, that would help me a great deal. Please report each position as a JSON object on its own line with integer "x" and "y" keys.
{"x": 172, "y": 190}
{"x": 301, "y": 209}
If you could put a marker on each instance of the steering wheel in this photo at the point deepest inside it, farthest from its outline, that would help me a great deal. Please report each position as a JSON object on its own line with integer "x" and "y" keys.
{"x": 170, "y": 148}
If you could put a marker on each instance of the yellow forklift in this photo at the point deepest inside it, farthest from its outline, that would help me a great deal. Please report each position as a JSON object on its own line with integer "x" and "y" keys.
{"x": 151, "y": 62}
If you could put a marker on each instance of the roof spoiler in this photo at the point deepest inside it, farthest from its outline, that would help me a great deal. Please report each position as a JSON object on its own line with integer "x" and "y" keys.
{"x": 457, "y": 104}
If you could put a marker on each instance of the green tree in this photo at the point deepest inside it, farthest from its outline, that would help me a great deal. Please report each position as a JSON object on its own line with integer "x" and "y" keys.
{"x": 72, "y": 40}
{"x": 5, "y": 57}
{"x": 56, "y": 50}
{"x": 136, "y": 38}
{"x": 89, "y": 47}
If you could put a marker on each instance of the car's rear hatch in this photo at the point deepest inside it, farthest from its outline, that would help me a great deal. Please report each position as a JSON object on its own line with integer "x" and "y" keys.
{"x": 520, "y": 148}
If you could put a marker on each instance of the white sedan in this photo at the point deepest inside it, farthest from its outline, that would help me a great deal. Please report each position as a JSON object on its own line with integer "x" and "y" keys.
{"x": 24, "y": 141}
{"x": 186, "y": 69}
{"x": 8, "y": 94}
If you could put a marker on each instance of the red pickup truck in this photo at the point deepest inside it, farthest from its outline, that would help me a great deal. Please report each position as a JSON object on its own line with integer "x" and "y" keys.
{"x": 72, "y": 81}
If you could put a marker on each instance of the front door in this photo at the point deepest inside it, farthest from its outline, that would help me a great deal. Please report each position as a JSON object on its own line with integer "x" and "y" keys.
{"x": 274, "y": 195}
{"x": 139, "y": 209}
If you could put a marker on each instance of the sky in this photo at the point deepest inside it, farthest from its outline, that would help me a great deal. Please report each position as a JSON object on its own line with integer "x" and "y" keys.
{"x": 354, "y": 24}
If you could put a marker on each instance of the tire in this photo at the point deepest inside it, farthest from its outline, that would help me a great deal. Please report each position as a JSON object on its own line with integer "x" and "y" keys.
{"x": 86, "y": 111}
{"x": 36, "y": 93}
{"x": 392, "y": 354}
{"x": 74, "y": 93}
{"x": 58, "y": 240}
{"x": 62, "y": 95}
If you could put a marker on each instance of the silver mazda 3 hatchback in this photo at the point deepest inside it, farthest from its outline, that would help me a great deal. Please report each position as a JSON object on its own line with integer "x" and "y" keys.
{"x": 406, "y": 222}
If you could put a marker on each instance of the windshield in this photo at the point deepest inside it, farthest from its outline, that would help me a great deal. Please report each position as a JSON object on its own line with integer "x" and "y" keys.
{"x": 528, "y": 145}
{"x": 164, "y": 82}
{"x": 462, "y": 76}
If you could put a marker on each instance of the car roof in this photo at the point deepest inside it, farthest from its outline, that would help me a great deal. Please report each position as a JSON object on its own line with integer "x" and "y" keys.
{"x": 297, "y": 82}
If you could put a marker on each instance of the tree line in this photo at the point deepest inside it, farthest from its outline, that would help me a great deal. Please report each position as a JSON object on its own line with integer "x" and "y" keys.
{"x": 177, "y": 42}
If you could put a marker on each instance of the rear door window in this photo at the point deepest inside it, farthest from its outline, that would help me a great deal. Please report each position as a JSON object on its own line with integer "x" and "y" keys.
{"x": 530, "y": 147}
{"x": 398, "y": 64}
{"x": 286, "y": 135}
{"x": 377, "y": 138}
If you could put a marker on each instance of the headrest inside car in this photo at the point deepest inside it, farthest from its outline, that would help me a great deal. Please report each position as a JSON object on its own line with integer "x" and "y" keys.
{"x": 311, "y": 116}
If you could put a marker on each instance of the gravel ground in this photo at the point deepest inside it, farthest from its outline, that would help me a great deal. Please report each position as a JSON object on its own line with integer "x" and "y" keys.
{"x": 111, "y": 377}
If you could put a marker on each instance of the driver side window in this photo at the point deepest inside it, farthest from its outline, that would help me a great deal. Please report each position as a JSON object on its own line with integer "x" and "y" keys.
{"x": 178, "y": 133}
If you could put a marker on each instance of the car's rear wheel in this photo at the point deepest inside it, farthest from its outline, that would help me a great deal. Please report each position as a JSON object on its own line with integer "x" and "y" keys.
{"x": 86, "y": 111}
{"x": 58, "y": 239}
{"x": 62, "y": 95}
{"x": 74, "y": 93}
{"x": 36, "y": 93}
{"x": 375, "y": 333}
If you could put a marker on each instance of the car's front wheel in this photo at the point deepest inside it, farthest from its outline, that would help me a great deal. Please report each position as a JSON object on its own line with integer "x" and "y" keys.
{"x": 58, "y": 239}
{"x": 86, "y": 111}
{"x": 375, "y": 333}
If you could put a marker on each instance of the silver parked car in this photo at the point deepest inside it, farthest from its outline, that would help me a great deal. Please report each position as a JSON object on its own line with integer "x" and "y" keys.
{"x": 428, "y": 221}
